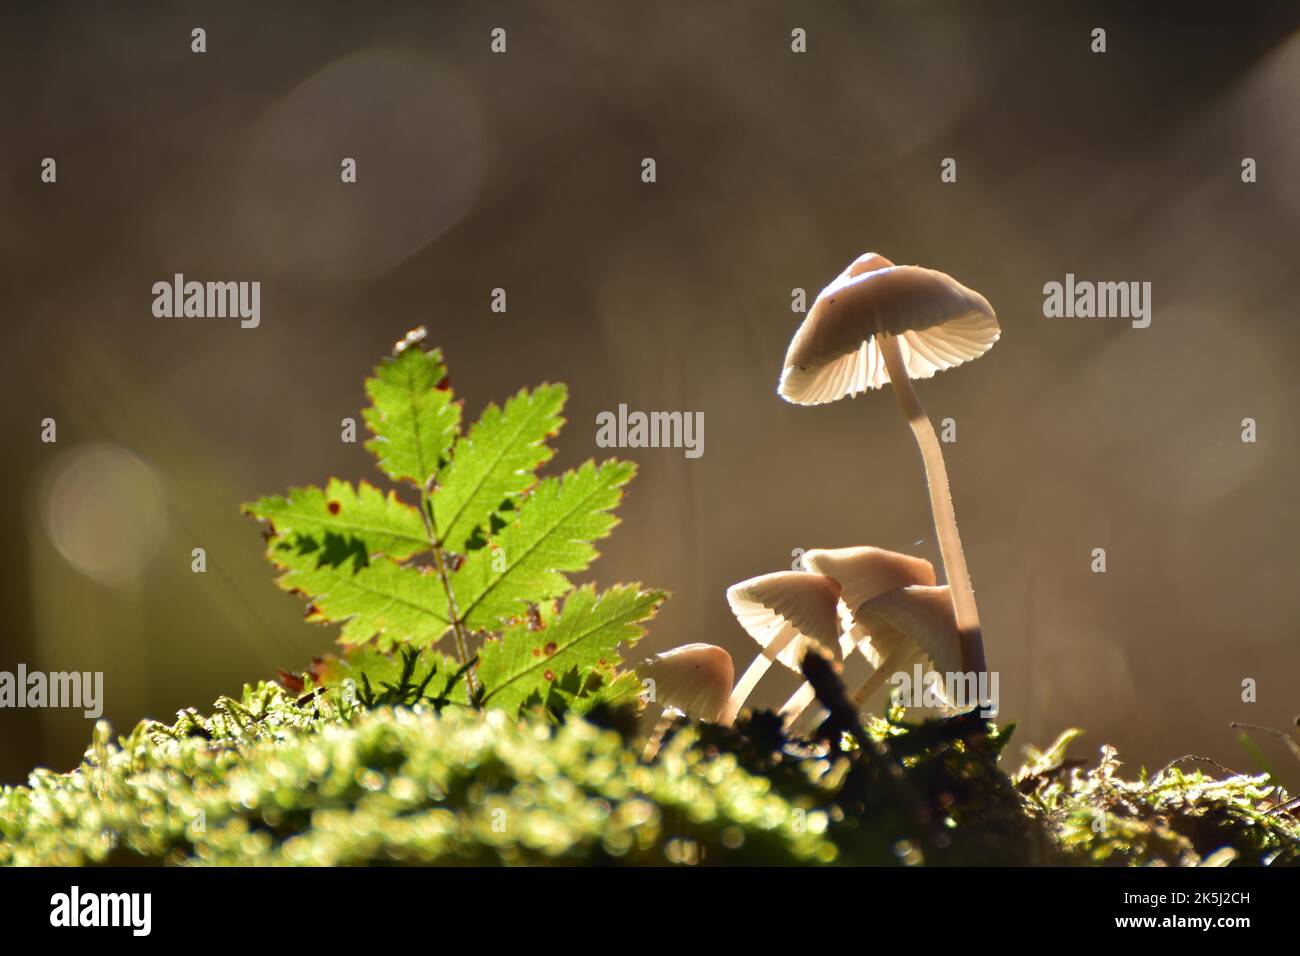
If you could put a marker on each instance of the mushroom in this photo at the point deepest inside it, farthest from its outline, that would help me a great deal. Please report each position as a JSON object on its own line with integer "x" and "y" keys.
{"x": 910, "y": 623}
{"x": 861, "y": 574}
{"x": 869, "y": 262}
{"x": 693, "y": 679}
{"x": 879, "y": 323}
{"x": 784, "y": 612}
{"x": 864, "y": 573}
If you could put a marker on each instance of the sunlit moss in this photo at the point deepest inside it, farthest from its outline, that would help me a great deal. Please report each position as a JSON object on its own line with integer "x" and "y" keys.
{"x": 270, "y": 780}
{"x": 265, "y": 780}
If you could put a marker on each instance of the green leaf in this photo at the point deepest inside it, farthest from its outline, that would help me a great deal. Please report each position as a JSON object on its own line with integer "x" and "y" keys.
{"x": 413, "y": 419}
{"x": 432, "y": 674}
{"x": 582, "y": 637}
{"x": 487, "y": 542}
{"x": 384, "y": 523}
{"x": 552, "y": 533}
{"x": 390, "y": 602}
{"x": 495, "y": 462}
{"x": 625, "y": 688}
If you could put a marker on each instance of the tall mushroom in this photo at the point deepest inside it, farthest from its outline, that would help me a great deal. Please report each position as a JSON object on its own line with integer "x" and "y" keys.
{"x": 877, "y": 323}
{"x": 861, "y": 574}
{"x": 783, "y": 612}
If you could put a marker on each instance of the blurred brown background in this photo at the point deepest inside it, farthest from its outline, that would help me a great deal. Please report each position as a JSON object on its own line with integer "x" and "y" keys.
{"x": 775, "y": 170}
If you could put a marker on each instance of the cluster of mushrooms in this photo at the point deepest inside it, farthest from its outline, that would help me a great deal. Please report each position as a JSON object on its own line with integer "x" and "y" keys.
{"x": 877, "y": 323}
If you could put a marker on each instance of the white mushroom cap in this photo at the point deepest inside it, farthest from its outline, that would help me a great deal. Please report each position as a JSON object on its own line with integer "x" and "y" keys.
{"x": 922, "y": 616}
{"x": 939, "y": 323}
{"x": 783, "y": 611}
{"x": 694, "y": 678}
{"x": 868, "y": 262}
{"x": 862, "y": 574}
{"x": 865, "y": 573}
{"x": 787, "y": 613}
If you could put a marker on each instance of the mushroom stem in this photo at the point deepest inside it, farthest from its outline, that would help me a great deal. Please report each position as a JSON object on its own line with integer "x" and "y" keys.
{"x": 656, "y": 739}
{"x": 863, "y": 696}
{"x": 856, "y": 659}
{"x": 748, "y": 681}
{"x": 945, "y": 521}
{"x": 798, "y": 703}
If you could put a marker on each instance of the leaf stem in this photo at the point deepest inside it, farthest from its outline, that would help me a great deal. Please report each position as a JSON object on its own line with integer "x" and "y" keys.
{"x": 457, "y": 625}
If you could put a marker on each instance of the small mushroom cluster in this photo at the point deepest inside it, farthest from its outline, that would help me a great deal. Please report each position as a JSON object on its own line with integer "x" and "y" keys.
{"x": 880, "y": 604}
{"x": 876, "y": 323}
{"x": 878, "y": 612}
{"x": 883, "y": 323}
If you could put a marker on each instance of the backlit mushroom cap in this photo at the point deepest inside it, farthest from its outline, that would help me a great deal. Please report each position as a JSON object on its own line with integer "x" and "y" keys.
{"x": 863, "y": 264}
{"x": 783, "y": 611}
{"x": 920, "y": 615}
{"x": 862, "y": 574}
{"x": 694, "y": 678}
{"x": 866, "y": 572}
{"x": 939, "y": 323}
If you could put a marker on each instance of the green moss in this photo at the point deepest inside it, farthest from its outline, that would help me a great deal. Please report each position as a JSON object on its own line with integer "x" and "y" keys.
{"x": 1173, "y": 818}
{"x": 268, "y": 779}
